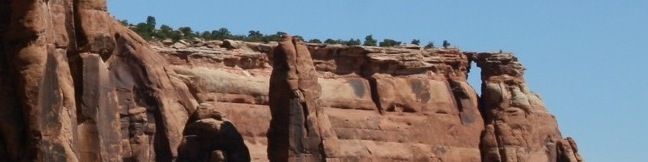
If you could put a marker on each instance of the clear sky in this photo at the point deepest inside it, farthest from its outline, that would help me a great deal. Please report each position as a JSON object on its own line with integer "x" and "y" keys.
{"x": 586, "y": 58}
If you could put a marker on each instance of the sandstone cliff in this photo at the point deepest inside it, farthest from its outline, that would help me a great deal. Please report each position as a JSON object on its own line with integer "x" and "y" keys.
{"x": 78, "y": 86}
{"x": 75, "y": 85}
{"x": 394, "y": 104}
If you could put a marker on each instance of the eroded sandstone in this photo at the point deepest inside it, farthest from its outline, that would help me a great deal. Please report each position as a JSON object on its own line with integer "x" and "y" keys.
{"x": 81, "y": 87}
{"x": 395, "y": 104}
{"x": 76, "y": 85}
{"x": 518, "y": 126}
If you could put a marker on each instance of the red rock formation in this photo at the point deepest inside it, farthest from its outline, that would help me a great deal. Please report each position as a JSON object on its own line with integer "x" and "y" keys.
{"x": 382, "y": 103}
{"x": 78, "y": 86}
{"x": 518, "y": 126}
{"x": 391, "y": 104}
{"x": 423, "y": 109}
{"x": 75, "y": 85}
{"x": 298, "y": 122}
{"x": 210, "y": 137}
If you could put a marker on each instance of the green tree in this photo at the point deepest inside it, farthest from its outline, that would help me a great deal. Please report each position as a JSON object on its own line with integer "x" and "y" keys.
{"x": 144, "y": 30}
{"x": 430, "y": 45}
{"x": 330, "y": 41}
{"x": 370, "y": 41}
{"x": 164, "y": 32}
{"x": 186, "y": 32}
{"x": 314, "y": 41}
{"x": 149, "y": 31}
{"x": 446, "y": 44}
{"x": 206, "y": 35}
{"x": 274, "y": 37}
{"x": 150, "y": 21}
{"x": 239, "y": 37}
{"x": 415, "y": 41}
{"x": 353, "y": 42}
{"x": 389, "y": 43}
{"x": 255, "y": 36}
{"x": 176, "y": 35}
{"x": 221, "y": 34}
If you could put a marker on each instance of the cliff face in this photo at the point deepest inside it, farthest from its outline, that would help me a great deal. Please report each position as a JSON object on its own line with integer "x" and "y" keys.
{"x": 75, "y": 85}
{"x": 78, "y": 86}
{"x": 398, "y": 104}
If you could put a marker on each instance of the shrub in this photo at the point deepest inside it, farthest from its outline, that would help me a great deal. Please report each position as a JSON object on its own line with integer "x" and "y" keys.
{"x": 446, "y": 44}
{"x": 389, "y": 43}
{"x": 314, "y": 41}
{"x": 415, "y": 41}
{"x": 370, "y": 41}
{"x": 149, "y": 31}
{"x": 430, "y": 45}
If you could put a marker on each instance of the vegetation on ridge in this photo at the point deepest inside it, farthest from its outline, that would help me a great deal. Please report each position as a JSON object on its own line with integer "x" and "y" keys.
{"x": 149, "y": 31}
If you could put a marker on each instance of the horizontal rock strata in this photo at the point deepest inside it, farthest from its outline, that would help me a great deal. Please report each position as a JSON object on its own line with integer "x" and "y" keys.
{"x": 400, "y": 104}
{"x": 76, "y": 85}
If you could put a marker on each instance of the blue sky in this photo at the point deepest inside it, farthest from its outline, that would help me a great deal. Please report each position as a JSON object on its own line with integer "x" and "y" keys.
{"x": 585, "y": 58}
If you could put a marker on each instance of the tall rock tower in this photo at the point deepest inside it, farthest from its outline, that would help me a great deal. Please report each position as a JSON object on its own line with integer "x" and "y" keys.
{"x": 78, "y": 86}
{"x": 518, "y": 126}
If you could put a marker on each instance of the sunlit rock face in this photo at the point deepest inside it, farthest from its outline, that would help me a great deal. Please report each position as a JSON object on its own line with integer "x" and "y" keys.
{"x": 76, "y": 85}
{"x": 396, "y": 104}
{"x": 381, "y": 103}
{"x": 518, "y": 126}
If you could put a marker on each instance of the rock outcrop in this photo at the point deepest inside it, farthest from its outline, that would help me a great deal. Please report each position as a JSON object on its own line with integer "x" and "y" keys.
{"x": 395, "y": 104}
{"x": 210, "y": 137}
{"x": 518, "y": 126}
{"x": 298, "y": 124}
{"x": 76, "y": 85}
{"x": 79, "y": 86}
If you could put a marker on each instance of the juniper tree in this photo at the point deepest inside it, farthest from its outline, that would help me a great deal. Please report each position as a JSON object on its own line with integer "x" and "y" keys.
{"x": 389, "y": 43}
{"x": 415, "y": 41}
{"x": 370, "y": 41}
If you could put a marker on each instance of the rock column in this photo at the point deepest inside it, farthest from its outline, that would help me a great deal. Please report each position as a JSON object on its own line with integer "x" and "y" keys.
{"x": 518, "y": 126}
{"x": 298, "y": 121}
